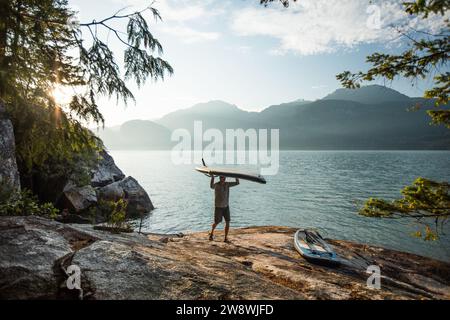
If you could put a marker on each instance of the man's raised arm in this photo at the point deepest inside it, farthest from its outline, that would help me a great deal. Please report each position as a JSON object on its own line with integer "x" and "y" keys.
{"x": 211, "y": 184}
{"x": 235, "y": 183}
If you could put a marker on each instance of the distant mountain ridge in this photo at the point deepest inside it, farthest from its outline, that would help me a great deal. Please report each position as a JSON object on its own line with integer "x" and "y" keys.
{"x": 137, "y": 134}
{"x": 372, "y": 117}
{"x": 373, "y": 94}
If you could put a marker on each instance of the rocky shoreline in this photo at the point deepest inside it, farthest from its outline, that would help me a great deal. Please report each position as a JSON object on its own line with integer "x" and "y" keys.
{"x": 80, "y": 199}
{"x": 260, "y": 263}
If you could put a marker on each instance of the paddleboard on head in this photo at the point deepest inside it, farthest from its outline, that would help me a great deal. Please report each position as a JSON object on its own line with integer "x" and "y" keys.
{"x": 232, "y": 173}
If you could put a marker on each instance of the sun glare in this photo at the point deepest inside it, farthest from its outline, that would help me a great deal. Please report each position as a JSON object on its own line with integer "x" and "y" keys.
{"x": 62, "y": 95}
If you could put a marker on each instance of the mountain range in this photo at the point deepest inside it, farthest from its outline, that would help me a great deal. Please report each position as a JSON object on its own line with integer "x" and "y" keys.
{"x": 371, "y": 117}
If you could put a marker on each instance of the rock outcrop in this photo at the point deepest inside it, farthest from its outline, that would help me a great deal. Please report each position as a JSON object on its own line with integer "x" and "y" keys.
{"x": 106, "y": 171}
{"x": 28, "y": 256}
{"x": 107, "y": 183}
{"x": 260, "y": 263}
{"x": 9, "y": 174}
{"x": 128, "y": 188}
{"x": 78, "y": 199}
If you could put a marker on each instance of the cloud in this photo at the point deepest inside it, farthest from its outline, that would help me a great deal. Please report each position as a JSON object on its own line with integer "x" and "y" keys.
{"x": 180, "y": 12}
{"x": 178, "y": 16}
{"x": 177, "y": 10}
{"x": 189, "y": 35}
{"x": 310, "y": 27}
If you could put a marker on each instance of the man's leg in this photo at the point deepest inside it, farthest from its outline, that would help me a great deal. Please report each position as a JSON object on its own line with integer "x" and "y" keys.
{"x": 227, "y": 227}
{"x": 217, "y": 220}
{"x": 226, "y": 215}
{"x": 211, "y": 234}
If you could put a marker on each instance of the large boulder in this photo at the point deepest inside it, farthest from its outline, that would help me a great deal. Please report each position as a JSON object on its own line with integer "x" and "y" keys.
{"x": 29, "y": 251}
{"x": 106, "y": 171}
{"x": 78, "y": 199}
{"x": 9, "y": 174}
{"x": 138, "y": 200}
{"x": 115, "y": 271}
{"x": 108, "y": 183}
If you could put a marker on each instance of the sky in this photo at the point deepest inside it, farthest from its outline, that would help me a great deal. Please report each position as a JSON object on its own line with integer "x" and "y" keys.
{"x": 253, "y": 56}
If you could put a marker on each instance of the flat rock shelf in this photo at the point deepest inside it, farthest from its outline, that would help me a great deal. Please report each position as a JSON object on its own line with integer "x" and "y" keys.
{"x": 259, "y": 263}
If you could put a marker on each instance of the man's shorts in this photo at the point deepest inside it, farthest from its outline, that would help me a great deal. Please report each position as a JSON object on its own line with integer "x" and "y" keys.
{"x": 221, "y": 212}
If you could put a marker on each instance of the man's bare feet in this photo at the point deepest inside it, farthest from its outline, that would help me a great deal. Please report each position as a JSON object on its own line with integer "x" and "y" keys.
{"x": 226, "y": 240}
{"x": 211, "y": 237}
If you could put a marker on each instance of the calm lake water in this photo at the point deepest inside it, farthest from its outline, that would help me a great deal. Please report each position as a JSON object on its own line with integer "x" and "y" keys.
{"x": 320, "y": 189}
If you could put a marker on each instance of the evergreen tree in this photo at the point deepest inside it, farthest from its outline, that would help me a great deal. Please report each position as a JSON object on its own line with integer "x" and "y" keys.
{"x": 42, "y": 47}
{"x": 426, "y": 201}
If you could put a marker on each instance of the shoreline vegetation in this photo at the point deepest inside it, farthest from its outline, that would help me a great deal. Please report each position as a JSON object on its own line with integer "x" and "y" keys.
{"x": 259, "y": 263}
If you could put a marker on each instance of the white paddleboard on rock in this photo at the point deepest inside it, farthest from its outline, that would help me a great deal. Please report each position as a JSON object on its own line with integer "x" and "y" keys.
{"x": 310, "y": 244}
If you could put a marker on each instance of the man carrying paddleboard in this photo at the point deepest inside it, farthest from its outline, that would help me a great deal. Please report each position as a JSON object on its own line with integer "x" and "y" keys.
{"x": 222, "y": 209}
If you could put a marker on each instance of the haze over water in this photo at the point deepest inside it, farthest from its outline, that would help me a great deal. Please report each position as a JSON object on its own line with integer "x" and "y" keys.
{"x": 320, "y": 189}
